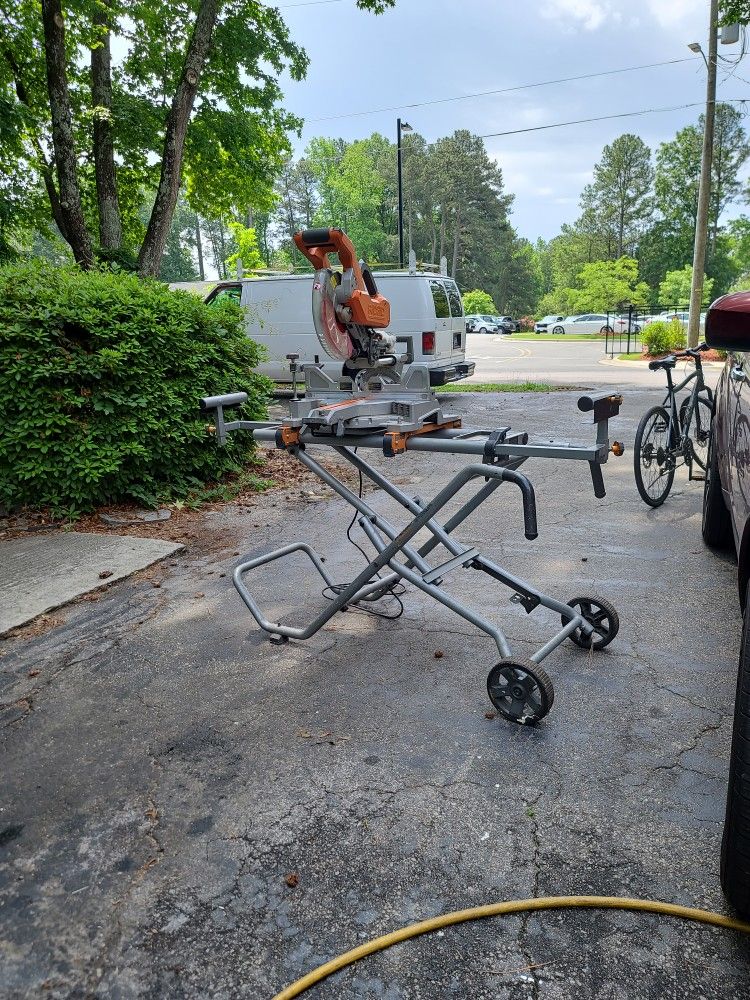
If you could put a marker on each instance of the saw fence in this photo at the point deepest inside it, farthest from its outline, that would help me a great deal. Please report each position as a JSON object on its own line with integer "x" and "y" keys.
{"x": 518, "y": 687}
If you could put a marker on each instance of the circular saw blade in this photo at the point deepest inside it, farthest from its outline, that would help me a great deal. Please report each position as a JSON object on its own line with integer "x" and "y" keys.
{"x": 333, "y": 336}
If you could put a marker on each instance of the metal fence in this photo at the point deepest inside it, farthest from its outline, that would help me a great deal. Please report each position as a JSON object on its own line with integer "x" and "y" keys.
{"x": 625, "y": 327}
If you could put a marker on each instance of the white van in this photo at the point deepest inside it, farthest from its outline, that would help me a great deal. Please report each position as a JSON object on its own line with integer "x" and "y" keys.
{"x": 425, "y": 307}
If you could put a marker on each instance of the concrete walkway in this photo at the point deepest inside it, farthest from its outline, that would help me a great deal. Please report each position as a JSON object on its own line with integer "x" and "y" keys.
{"x": 40, "y": 573}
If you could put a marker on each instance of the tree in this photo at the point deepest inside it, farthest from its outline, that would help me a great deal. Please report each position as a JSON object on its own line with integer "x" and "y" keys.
{"x": 477, "y": 301}
{"x": 617, "y": 205}
{"x": 247, "y": 252}
{"x": 608, "y": 285}
{"x": 675, "y": 289}
{"x": 197, "y": 105}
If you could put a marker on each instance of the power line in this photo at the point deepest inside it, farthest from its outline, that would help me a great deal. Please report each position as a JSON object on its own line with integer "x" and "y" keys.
{"x": 503, "y": 90}
{"x": 604, "y": 118}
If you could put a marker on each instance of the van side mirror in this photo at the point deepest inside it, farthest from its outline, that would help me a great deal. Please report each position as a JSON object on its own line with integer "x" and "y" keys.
{"x": 728, "y": 322}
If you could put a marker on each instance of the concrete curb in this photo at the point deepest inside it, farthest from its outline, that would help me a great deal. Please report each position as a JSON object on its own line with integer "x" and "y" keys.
{"x": 44, "y": 572}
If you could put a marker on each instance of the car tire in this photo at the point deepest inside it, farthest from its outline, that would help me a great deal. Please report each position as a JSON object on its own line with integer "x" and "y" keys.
{"x": 735, "y": 844}
{"x": 558, "y": 330}
{"x": 606, "y": 329}
{"x": 716, "y": 526}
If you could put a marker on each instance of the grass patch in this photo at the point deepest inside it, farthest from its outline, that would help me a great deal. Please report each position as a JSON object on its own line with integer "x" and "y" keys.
{"x": 498, "y": 387}
{"x": 633, "y": 356}
{"x": 554, "y": 336}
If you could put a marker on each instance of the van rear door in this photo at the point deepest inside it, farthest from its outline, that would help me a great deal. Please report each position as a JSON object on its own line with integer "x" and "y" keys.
{"x": 443, "y": 325}
{"x": 458, "y": 321}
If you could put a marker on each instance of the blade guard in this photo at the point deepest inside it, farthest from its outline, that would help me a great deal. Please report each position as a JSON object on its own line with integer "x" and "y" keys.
{"x": 368, "y": 307}
{"x": 333, "y": 335}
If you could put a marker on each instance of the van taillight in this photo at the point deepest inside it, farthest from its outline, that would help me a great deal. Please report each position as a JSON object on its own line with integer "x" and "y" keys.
{"x": 428, "y": 343}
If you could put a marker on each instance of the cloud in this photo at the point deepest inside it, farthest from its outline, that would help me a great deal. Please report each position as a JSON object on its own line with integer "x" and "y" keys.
{"x": 588, "y": 14}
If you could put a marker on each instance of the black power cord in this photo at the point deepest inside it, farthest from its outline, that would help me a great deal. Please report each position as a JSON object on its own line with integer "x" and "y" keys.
{"x": 330, "y": 593}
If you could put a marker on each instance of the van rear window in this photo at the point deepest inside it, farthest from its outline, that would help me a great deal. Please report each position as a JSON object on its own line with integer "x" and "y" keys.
{"x": 454, "y": 298}
{"x": 440, "y": 299}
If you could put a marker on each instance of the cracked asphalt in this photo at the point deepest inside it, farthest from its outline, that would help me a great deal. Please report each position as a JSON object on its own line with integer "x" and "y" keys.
{"x": 189, "y": 811}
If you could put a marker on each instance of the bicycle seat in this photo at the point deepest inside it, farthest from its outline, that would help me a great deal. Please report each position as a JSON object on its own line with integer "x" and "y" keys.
{"x": 668, "y": 362}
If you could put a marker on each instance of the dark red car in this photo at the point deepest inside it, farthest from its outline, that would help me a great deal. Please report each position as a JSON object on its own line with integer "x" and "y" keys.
{"x": 726, "y": 523}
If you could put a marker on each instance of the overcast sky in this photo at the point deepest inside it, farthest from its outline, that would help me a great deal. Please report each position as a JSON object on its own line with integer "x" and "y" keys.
{"x": 425, "y": 50}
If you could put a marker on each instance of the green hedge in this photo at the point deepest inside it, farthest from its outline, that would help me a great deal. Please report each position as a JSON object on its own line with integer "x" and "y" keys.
{"x": 100, "y": 379}
{"x": 660, "y": 337}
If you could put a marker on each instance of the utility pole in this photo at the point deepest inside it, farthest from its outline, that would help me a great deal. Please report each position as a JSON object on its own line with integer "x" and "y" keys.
{"x": 400, "y": 128}
{"x": 704, "y": 191}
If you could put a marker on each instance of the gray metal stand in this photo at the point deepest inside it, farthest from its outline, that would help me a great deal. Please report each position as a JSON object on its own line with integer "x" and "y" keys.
{"x": 518, "y": 687}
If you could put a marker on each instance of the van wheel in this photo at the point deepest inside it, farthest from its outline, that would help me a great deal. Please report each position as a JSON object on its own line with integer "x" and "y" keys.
{"x": 735, "y": 845}
{"x": 716, "y": 527}
{"x": 558, "y": 329}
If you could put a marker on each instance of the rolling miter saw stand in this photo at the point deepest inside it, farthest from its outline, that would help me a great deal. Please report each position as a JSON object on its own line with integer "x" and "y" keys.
{"x": 382, "y": 401}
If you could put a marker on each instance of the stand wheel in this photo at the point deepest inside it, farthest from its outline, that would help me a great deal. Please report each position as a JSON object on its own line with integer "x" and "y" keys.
{"x": 599, "y": 613}
{"x": 520, "y": 690}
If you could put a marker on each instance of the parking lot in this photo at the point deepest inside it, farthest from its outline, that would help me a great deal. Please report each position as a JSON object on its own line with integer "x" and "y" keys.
{"x": 190, "y": 811}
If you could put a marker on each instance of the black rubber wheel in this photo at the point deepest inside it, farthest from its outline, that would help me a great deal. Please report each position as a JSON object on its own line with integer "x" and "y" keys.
{"x": 652, "y": 463}
{"x": 716, "y": 526}
{"x": 599, "y": 613}
{"x": 735, "y": 844}
{"x": 606, "y": 329}
{"x": 700, "y": 428}
{"x": 520, "y": 690}
{"x": 558, "y": 329}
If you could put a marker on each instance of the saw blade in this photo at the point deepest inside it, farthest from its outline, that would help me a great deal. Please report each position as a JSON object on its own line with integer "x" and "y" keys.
{"x": 333, "y": 335}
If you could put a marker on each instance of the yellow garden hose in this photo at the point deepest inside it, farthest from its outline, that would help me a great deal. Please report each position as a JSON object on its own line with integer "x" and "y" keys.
{"x": 500, "y": 909}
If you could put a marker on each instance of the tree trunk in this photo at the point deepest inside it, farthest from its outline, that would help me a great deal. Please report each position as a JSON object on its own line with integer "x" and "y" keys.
{"x": 110, "y": 225}
{"x": 456, "y": 241}
{"x": 442, "y": 233}
{"x": 174, "y": 139}
{"x": 199, "y": 247}
{"x": 46, "y": 169}
{"x": 75, "y": 230}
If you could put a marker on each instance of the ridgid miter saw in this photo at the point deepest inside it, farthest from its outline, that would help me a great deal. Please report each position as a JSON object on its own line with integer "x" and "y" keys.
{"x": 350, "y": 316}
{"x": 383, "y": 402}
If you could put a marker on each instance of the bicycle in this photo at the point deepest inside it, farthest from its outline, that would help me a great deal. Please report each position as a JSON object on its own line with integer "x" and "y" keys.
{"x": 667, "y": 434}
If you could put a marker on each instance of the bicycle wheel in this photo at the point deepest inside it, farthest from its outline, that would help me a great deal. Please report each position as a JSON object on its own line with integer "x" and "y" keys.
{"x": 699, "y": 431}
{"x": 652, "y": 461}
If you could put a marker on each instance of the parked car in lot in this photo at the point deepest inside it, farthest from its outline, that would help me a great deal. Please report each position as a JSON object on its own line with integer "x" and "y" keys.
{"x": 585, "y": 323}
{"x": 484, "y": 324}
{"x": 426, "y": 307}
{"x": 545, "y": 324}
{"x": 509, "y": 324}
{"x": 726, "y": 524}
{"x": 667, "y": 317}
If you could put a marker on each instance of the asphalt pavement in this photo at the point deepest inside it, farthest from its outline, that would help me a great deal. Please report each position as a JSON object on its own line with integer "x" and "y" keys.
{"x": 190, "y": 811}
{"x": 559, "y": 362}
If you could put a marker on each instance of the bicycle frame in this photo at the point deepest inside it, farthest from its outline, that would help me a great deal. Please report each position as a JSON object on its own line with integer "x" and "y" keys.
{"x": 680, "y": 432}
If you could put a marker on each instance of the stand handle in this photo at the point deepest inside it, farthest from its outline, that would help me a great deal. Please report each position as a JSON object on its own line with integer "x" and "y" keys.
{"x": 528, "y": 500}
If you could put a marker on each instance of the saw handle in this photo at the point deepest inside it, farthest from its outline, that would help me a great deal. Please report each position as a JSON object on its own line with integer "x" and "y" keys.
{"x": 368, "y": 307}
{"x": 316, "y": 244}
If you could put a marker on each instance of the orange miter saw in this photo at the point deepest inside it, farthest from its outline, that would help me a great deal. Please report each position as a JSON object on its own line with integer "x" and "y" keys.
{"x": 378, "y": 388}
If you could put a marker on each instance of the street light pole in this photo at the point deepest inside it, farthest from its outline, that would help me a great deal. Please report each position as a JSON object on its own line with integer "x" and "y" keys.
{"x": 704, "y": 191}
{"x": 400, "y": 128}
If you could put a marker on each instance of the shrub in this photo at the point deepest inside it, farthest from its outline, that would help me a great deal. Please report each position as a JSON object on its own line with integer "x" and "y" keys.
{"x": 527, "y": 322}
{"x": 660, "y": 337}
{"x": 100, "y": 379}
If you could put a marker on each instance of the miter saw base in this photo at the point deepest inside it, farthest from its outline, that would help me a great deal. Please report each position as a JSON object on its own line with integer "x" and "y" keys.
{"x": 405, "y": 405}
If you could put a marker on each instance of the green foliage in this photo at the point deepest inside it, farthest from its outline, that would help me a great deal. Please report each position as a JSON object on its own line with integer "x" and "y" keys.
{"x": 675, "y": 289}
{"x": 618, "y": 204}
{"x": 660, "y": 337}
{"x": 477, "y": 301}
{"x": 247, "y": 249}
{"x": 102, "y": 373}
{"x": 609, "y": 284}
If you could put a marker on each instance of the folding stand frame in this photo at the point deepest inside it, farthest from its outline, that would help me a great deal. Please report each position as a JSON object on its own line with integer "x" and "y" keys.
{"x": 518, "y": 687}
